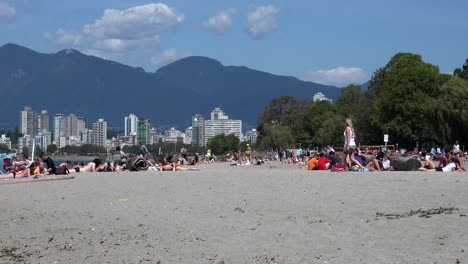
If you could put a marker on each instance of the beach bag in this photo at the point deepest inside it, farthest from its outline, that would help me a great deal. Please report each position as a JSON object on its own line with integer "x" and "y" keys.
{"x": 338, "y": 167}
{"x": 136, "y": 163}
{"x": 61, "y": 171}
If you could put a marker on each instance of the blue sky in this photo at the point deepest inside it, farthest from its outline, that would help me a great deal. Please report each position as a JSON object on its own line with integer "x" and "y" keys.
{"x": 329, "y": 41}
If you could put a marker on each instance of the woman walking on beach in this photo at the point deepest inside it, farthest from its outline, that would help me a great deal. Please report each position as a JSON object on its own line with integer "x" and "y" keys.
{"x": 349, "y": 145}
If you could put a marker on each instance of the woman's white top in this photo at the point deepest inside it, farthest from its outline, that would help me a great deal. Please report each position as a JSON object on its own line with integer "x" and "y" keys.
{"x": 456, "y": 148}
{"x": 449, "y": 167}
{"x": 352, "y": 142}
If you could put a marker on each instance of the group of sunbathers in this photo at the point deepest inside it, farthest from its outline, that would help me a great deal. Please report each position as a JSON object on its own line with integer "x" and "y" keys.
{"x": 449, "y": 162}
{"x": 43, "y": 164}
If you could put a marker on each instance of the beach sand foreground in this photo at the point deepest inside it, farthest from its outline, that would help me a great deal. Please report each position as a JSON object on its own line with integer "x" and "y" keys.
{"x": 223, "y": 214}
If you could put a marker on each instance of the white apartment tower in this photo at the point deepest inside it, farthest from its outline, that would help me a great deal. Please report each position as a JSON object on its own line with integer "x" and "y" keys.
{"x": 43, "y": 122}
{"x": 26, "y": 121}
{"x": 72, "y": 125}
{"x": 60, "y": 127}
{"x": 221, "y": 124}
{"x": 131, "y": 125}
{"x": 100, "y": 133}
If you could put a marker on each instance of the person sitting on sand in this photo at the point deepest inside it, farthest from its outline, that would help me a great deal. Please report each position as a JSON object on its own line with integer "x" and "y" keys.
{"x": 323, "y": 162}
{"x": 428, "y": 165}
{"x": 25, "y": 163}
{"x": 7, "y": 164}
{"x": 445, "y": 159}
{"x": 378, "y": 165}
{"x": 312, "y": 164}
{"x": 123, "y": 155}
{"x": 49, "y": 163}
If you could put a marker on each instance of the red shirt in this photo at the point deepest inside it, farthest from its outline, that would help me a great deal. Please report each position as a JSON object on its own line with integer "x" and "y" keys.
{"x": 322, "y": 163}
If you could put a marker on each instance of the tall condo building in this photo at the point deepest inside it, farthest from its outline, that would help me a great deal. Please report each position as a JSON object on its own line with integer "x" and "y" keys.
{"x": 43, "y": 122}
{"x": 221, "y": 124}
{"x": 143, "y": 131}
{"x": 198, "y": 130}
{"x": 72, "y": 125}
{"x": 131, "y": 125}
{"x": 81, "y": 125}
{"x": 100, "y": 133}
{"x": 26, "y": 121}
{"x": 60, "y": 127}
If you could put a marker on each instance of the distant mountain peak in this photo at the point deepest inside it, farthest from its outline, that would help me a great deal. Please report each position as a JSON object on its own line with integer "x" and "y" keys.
{"x": 68, "y": 52}
{"x": 15, "y": 47}
{"x": 192, "y": 62}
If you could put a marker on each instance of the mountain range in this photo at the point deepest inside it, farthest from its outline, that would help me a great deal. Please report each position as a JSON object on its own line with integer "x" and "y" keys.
{"x": 71, "y": 82}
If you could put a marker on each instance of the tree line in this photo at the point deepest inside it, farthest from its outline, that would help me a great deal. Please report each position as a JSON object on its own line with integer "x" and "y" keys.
{"x": 408, "y": 99}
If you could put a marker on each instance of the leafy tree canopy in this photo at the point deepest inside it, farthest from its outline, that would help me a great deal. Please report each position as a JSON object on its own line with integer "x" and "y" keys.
{"x": 463, "y": 71}
{"x": 222, "y": 144}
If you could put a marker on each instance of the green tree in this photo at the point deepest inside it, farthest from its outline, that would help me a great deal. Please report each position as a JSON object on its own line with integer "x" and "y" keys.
{"x": 222, "y": 144}
{"x": 25, "y": 150}
{"x": 463, "y": 71}
{"x": 52, "y": 148}
{"x": 330, "y": 131}
{"x": 37, "y": 150}
{"x": 315, "y": 114}
{"x": 401, "y": 90}
{"x": 283, "y": 111}
{"x": 276, "y": 136}
{"x": 4, "y": 149}
{"x": 354, "y": 103}
{"x": 448, "y": 112}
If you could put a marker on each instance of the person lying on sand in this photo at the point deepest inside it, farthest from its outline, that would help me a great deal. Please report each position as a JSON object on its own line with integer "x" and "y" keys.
{"x": 450, "y": 167}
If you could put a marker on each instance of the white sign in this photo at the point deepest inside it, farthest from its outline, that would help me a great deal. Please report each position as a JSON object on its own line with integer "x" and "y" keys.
{"x": 385, "y": 138}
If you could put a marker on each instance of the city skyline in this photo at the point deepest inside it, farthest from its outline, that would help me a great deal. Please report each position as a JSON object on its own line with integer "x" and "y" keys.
{"x": 332, "y": 42}
{"x": 73, "y": 130}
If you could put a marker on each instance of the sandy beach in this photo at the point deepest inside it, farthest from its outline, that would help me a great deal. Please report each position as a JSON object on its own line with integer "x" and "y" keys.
{"x": 228, "y": 214}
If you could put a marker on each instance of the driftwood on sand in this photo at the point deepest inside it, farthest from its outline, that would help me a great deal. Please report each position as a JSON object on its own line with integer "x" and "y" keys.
{"x": 39, "y": 179}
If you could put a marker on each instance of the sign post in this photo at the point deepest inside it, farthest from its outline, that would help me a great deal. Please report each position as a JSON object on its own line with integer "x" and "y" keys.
{"x": 385, "y": 139}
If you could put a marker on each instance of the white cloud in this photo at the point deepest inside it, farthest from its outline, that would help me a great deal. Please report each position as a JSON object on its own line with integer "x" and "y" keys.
{"x": 122, "y": 45}
{"x": 261, "y": 20}
{"x": 168, "y": 56}
{"x": 139, "y": 22}
{"x": 63, "y": 37}
{"x": 221, "y": 22}
{"x": 119, "y": 31}
{"x": 340, "y": 76}
{"x": 7, "y": 11}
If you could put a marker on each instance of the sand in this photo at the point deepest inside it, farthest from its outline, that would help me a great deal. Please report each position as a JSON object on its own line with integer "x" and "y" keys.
{"x": 223, "y": 214}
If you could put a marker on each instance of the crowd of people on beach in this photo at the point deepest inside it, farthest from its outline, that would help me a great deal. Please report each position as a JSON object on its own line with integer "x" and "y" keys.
{"x": 348, "y": 158}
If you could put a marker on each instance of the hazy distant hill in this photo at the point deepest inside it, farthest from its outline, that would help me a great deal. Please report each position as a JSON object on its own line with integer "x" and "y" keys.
{"x": 71, "y": 82}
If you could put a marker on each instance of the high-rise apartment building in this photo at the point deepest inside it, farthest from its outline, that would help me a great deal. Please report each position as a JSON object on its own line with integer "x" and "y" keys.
{"x": 72, "y": 125}
{"x": 81, "y": 125}
{"x": 143, "y": 131}
{"x": 26, "y": 121}
{"x": 60, "y": 127}
{"x": 221, "y": 124}
{"x": 42, "y": 122}
{"x": 100, "y": 133}
{"x": 198, "y": 130}
{"x": 131, "y": 125}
